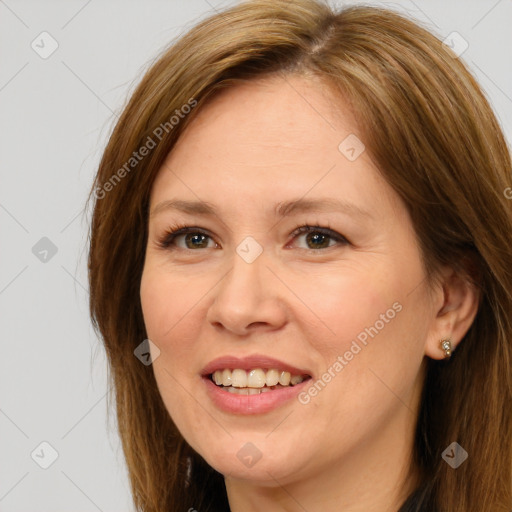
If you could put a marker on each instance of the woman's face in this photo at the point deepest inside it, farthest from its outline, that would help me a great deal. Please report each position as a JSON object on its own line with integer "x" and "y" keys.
{"x": 344, "y": 305}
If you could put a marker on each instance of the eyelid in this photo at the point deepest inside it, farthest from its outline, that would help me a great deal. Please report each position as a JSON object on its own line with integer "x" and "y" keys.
{"x": 167, "y": 240}
{"x": 338, "y": 237}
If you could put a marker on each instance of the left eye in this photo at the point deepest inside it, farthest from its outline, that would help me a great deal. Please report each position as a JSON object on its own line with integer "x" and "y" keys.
{"x": 193, "y": 238}
{"x": 316, "y": 238}
{"x": 319, "y": 237}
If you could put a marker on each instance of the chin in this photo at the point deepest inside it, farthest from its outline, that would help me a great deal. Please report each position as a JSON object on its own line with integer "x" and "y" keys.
{"x": 244, "y": 460}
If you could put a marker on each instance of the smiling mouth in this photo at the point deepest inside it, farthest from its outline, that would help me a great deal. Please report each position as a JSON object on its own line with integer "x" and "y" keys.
{"x": 256, "y": 381}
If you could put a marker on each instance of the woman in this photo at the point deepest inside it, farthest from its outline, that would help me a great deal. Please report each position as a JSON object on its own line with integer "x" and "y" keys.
{"x": 300, "y": 268}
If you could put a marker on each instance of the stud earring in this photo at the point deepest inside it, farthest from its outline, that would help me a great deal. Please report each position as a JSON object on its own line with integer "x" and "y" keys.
{"x": 446, "y": 345}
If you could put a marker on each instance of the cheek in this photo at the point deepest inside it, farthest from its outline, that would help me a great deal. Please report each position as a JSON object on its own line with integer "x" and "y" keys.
{"x": 170, "y": 308}
{"x": 340, "y": 304}
{"x": 166, "y": 299}
{"x": 382, "y": 353}
{"x": 165, "y": 318}
{"x": 164, "y": 313}
{"x": 154, "y": 302}
{"x": 370, "y": 319}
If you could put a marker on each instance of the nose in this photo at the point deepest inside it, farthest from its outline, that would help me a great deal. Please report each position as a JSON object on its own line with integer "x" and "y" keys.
{"x": 248, "y": 298}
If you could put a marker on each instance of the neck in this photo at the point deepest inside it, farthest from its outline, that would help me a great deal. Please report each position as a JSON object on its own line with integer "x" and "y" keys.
{"x": 377, "y": 476}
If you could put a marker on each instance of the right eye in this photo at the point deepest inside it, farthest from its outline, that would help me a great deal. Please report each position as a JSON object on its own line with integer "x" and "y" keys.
{"x": 194, "y": 238}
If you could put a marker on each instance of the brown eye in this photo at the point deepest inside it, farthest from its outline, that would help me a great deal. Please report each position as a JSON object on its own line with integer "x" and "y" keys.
{"x": 193, "y": 238}
{"x": 319, "y": 238}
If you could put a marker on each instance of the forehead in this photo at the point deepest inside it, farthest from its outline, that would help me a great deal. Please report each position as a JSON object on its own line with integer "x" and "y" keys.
{"x": 270, "y": 117}
{"x": 269, "y": 140}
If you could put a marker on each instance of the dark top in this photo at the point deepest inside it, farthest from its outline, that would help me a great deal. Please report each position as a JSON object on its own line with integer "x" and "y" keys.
{"x": 419, "y": 501}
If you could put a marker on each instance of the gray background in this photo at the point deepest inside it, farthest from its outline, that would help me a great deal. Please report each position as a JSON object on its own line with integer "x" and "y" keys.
{"x": 56, "y": 114}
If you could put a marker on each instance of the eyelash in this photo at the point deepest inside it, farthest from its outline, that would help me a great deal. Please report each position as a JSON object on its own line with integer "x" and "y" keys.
{"x": 167, "y": 240}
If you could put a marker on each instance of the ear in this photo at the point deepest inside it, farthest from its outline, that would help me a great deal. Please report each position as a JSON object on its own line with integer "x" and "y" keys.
{"x": 455, "y": 302}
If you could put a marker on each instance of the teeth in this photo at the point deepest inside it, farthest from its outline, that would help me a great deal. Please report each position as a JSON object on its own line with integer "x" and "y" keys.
{"x": 272, "y": 377}
{"x": 238, "y": 378}
{"x": 284, "y": 378}
{"x": 296, "y": 379}
{"x": 217, "y": 378}
{"x": 256, "y": 378}
{"x": 226, "y": 378}
{"x": 255, "y": 381}
{"x": 250, "y": 391}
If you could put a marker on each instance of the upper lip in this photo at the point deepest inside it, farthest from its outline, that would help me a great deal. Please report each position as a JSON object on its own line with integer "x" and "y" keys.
{"x": 250, "y": 363}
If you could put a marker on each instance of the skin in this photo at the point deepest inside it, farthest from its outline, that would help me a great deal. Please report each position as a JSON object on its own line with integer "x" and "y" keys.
{"x": 257, "y": 144}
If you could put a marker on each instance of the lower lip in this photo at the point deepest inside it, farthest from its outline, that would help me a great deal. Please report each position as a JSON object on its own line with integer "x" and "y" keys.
{"x": 251, "y": 404}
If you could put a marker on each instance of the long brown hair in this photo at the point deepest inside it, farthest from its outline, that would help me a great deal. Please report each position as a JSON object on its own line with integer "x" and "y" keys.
{"x": 433, "y": 135}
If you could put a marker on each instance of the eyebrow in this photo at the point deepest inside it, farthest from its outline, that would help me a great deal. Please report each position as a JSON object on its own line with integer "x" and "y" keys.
{"x": 282, "y": 209}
